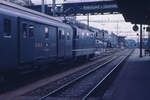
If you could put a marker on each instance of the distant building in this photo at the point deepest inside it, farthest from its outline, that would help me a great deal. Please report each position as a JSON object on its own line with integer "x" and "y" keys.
{"x": 121, "y": 41}
{"x": 113, "y": 40}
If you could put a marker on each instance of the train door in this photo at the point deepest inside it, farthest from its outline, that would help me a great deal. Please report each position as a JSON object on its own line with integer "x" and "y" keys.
{"x": 26, "y": 41}
{"x": 50, "y": 41}
{"x": 8, "y": 42}
{"x": 61, "y": 43}
{"x": 68, "y": 44}
{"x": 45, "y": 42}
{"x": 46, "y": 46}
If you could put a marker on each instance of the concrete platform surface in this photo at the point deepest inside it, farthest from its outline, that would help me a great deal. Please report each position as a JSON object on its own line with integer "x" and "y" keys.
{"x": 133, "y": 81}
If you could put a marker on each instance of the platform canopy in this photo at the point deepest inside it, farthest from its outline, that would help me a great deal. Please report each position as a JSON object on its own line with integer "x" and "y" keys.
{"x": 83, "y": 1}
{"x": 135, "y": 11}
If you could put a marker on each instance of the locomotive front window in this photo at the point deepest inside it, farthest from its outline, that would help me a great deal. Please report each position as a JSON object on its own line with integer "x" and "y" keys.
{"x": 7, "y": 26}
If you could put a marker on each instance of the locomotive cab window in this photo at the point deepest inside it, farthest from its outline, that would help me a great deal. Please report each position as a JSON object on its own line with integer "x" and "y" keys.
{"x": 68, "y": 36}
{"x": 96, "y": 34}
{"x": 60, "y": 34}
{"x": 83, "y": 34}
{"x": 7, "y": 27}
{"x": 77, "y": 35}
{"x": 92, "y": 35}
{"x": 87, "y": 34}
{"x": 31, "y": 31}
{"x": 24, "y": 26}
{"x": 63, "y": 35}
{"x": 46, "y": 33}
{"x": 74, "y": 33}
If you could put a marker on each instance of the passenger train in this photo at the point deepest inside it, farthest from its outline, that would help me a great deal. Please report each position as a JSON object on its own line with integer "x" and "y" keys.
{"x": 30, "y": 38}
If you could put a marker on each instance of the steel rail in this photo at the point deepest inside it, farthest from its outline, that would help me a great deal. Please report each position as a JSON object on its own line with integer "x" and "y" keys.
{"x": 76, "y": 79}
{"x": 101, "y": 81}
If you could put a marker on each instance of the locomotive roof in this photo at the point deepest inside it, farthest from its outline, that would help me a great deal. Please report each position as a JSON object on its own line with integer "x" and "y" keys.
{"x": 22, "y": 12}
{"x": 28, "y": 10}
{"x": 81, "y": 29}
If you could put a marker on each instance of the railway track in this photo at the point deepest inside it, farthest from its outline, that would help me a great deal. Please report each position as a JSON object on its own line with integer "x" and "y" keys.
{"x": 104, "y": 80}
{"x": 76, "y": 73}
{"x": 21, "y": 83}
{"x": 82, "y": 87}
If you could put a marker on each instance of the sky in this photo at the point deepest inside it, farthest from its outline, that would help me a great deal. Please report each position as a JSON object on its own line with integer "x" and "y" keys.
{"x": 122, "y": 27}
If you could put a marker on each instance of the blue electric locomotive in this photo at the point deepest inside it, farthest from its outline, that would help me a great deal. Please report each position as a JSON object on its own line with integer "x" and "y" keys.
{"x": 30, "y": 38}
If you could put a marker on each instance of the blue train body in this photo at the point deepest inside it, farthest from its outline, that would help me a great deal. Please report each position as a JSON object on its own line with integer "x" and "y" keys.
{"x": 28, "y": 37}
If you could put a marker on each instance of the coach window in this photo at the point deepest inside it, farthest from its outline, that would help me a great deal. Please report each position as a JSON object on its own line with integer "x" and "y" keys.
{"x": 63, "y": 34}
{"x": 92, "y": 35}
{"x": 60, "y": 34}
{"x": 83, "y": 34}
{"x": 24, "y": 30}
{"x": 77, "y": 35}
{"x": 87, "y": 34}
{"x": 31, "y": 31}
{"x": 7, "y": 27}
{"x": 68, "y": 36}
{"x": 96, "y": 34}
{"x": 46, "y": 33}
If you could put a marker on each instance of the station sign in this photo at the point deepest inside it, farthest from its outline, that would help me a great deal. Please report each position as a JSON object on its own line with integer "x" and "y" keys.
{"x": 135, "y": 28}
{"x": 90, "y": 7}
{"x": 99, "y": 7}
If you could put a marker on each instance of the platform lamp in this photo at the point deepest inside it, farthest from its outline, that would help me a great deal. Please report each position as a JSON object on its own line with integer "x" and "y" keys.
{"x": 136, "y": 28}
{"x": 141, "y": 40}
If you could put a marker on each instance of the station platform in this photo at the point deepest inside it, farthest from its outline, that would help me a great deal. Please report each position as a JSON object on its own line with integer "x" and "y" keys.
{"x": 133, "y": 80}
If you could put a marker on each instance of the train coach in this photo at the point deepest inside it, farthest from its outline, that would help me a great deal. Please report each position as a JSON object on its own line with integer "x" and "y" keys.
{"x": 83, "y": 42}
{"x": 29, "y": 38}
